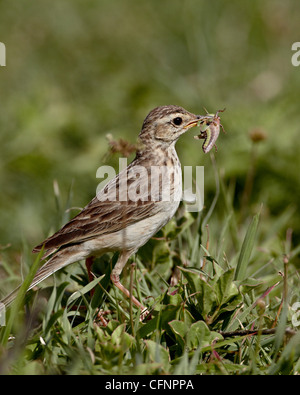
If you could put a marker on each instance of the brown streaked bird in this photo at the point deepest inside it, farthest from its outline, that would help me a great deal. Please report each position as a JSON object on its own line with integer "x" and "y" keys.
{"x": 130, "y": 209}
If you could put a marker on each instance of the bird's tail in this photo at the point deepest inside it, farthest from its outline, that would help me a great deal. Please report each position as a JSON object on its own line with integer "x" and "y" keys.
{"x": 61, "y": 259}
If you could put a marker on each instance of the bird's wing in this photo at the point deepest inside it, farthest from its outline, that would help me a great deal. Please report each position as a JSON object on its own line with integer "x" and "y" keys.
{"x": 101, "y": 217}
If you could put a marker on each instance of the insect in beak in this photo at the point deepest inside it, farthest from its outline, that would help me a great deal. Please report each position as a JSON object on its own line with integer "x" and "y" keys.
{"x": 209, "y": 130}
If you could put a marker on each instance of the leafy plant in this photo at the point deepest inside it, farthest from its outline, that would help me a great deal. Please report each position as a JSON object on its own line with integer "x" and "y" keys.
{"x": 211, "y": 321}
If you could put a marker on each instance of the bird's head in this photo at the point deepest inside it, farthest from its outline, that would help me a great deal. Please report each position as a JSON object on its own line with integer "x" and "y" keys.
{"x": 166, "y": 124}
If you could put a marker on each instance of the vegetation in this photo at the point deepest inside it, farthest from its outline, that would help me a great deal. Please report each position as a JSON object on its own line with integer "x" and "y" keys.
{"x": 78, "y": 71}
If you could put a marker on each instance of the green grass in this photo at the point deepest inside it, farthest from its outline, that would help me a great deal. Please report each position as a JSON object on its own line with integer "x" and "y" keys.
{"x": 248, "y": 288}
{"x": 76, "y": 72}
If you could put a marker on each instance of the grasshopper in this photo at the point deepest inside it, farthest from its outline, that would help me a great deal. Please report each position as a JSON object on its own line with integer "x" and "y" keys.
{"x": 209, "y": 130}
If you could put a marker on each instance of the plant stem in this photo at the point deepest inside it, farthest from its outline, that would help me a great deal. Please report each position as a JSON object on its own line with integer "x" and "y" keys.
{"x": 288, "y": 331}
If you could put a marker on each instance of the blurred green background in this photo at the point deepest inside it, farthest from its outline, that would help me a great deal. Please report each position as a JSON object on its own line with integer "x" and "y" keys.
{"x": 77, "y": 70}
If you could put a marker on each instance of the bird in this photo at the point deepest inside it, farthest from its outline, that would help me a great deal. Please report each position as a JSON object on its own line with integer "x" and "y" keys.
{"x": 130, "y": 209}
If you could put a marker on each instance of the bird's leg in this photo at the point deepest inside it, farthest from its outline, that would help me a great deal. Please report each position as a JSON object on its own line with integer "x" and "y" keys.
{"x": 89, "y": 263}
{"x": 115, "y": 278}
{"x": 116, "y": 281}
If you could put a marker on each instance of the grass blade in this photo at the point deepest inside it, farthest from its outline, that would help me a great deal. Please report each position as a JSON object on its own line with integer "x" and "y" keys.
{"x": 246, "y": 249}
{"x": 16, "y": 306}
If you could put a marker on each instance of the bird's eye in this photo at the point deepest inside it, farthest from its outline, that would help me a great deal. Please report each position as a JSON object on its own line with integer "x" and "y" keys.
{"x": 177, "y": 121}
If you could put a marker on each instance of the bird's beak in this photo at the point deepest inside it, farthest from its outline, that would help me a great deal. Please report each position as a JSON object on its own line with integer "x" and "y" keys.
{"x": 194, "y": 122}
